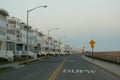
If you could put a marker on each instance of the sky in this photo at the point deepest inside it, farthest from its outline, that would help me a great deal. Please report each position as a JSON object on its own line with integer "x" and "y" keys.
{"x": 79, "y": 21}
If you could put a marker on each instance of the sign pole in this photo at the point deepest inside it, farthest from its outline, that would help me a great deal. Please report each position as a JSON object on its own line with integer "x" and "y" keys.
{"x": 92, "y": 43}
{"x": 92, "y": 55}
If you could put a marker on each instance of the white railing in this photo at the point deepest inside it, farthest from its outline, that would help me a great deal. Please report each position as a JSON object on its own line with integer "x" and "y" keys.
{"x": 57, "y": 52}
{"x": 30, "y": 53}
{"x": 2, "y": 54}
{"x": 18, "y": 53}
{"x": 11, "y": 37}
{"x": 19, "y": 40}
{"x": 24, "y": 53}
{"x": 44, "y": 45}
{"x": 2, "y": 37}
{"x": 43, "y": 52}
{"x": 7, "y": 55}
{"x": 10, "y": 55}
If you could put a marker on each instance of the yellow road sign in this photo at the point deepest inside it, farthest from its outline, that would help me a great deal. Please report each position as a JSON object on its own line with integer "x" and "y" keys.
{"x": 92, "y": 42}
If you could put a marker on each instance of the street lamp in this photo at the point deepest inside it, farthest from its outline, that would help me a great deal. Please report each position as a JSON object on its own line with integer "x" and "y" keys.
{"x": 45, "y": 6}
{"x": 48, "y": 37}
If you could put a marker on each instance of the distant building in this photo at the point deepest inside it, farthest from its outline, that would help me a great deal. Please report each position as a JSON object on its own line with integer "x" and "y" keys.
{"x": 36, "y": 42}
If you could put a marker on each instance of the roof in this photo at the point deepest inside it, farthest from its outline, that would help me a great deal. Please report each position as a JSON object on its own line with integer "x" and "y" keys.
{"x": 3, "y": 12}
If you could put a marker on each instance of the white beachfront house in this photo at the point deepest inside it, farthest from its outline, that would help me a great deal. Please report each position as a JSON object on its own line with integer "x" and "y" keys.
{"x": 44, "y": 45}
{"x": 4, "y": 52}
{"x": 55, "y": 47}
{"x": 41, "y": 43}
{"x": 19, "y": 29}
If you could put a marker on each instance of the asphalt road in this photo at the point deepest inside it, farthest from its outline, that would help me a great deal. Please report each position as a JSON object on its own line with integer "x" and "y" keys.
{"x": 71, "y": 67}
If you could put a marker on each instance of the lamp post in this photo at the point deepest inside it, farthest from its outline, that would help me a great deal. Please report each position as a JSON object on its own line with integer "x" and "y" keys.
{"x": 45, "y": 6}
{"x": 48, "y": 38}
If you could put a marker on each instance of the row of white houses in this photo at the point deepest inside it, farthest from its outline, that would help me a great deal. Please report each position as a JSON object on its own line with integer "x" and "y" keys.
{"x": 14, "y": 41}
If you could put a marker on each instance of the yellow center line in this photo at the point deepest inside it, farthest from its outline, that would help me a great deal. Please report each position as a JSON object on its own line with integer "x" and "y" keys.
{"x": 55, "y": 73}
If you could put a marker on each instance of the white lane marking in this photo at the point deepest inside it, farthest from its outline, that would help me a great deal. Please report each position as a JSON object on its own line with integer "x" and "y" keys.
{"x": 72, "y": 61}
{"x": 92, "y": 71}
{"x": 79, "y": 71}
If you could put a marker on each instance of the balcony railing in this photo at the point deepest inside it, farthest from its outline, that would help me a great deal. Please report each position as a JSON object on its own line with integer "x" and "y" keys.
{"x": 11, "y": 37}
{"x": 24, "y": 53}
{"x": 20, "y": 40}
{"x": 7, "y": 55}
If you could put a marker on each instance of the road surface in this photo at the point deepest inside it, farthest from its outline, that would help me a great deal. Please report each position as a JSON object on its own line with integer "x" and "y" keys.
{"x": 71, "y": 67}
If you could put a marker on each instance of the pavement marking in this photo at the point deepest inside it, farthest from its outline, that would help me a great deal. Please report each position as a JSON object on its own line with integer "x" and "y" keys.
{"x": 72, "y": 61}
{"x": 78, "y": 71}
{"x": 55, "y": 73}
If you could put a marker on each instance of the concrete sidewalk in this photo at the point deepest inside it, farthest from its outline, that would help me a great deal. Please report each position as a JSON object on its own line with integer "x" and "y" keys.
{"x": 13, "y": 65}
{"x": 113, "y": 68}
{"x": 17, "y": 64}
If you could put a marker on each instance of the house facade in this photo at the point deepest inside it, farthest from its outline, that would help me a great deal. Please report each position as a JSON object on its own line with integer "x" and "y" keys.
{"x": 4, "y": 53}
{"x": 19, "y": 40}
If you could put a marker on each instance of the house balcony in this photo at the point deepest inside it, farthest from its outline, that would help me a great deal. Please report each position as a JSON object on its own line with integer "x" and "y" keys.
{"x": 2, "y": 37}
{"x": 44, "y": 45}
{"x": 20, "y": 41}
{"x": 11, "y": 38}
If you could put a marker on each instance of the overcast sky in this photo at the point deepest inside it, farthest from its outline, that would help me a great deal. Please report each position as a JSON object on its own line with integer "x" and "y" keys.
{"x": 78, "y": 21}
